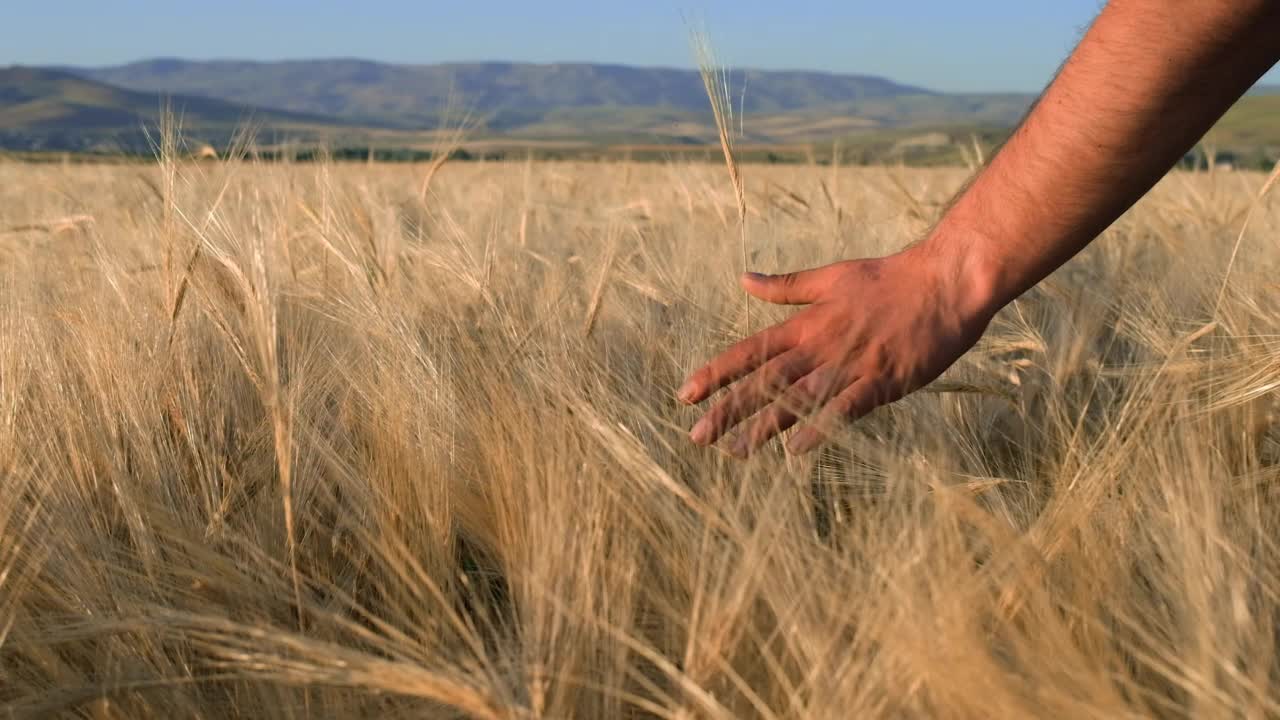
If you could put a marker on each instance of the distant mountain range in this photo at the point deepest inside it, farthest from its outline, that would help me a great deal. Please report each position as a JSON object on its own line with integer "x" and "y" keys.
{"x": 77, "y": 108}
{"x": 56, "y": 110}
{"x": 510, "y": 94}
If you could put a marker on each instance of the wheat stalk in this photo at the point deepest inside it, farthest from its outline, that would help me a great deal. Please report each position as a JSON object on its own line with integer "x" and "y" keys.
{"x": 448, "y": 139}
{"x": 715, "y": 78}
{"x": 1235, "y": 249}
{"x": 602, "y": 283}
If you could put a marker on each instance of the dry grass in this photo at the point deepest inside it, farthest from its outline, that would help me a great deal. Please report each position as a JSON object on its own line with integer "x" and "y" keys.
{"x": 715, "y": 80}
{"x": 464, "y": 402}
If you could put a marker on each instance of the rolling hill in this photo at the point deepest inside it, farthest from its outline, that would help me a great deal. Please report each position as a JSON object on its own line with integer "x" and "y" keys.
{"x": 49, "y": 109}
{"x": 507, "y": 94}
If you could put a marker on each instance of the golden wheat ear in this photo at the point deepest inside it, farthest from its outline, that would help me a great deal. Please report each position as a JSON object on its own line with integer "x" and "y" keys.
{"x": 454, "y": 126}
{"x": 715, "y": 78}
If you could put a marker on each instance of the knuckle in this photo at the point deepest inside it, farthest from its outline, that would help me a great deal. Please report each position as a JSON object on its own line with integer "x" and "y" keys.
{"x": 766, "y": 426}
{"x": 730, "y": 406}
{"x": 804, "y": 392}
{"x": 792, "y": 401}
{"x": 743, "y": 402}
{"x": 751, "y": 349}
{"x": 773, "y": 377}
{"x": 700, "y": 379}
{"x": 823, "y": 382}
{"x": 714, "y": 416}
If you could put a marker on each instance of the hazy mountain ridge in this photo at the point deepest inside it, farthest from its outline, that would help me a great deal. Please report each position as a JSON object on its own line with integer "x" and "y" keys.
{"x": 50, "y": 109}
{"x": 413, "y": 96}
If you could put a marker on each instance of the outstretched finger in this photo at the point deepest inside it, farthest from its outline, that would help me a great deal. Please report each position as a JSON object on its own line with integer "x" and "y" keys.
{"x": 748, "y": 396}
{"x": 736, "y": 362}
{"x": 799, "y": 400}
{"x": 854, "y": 402}
{"x": 797, "y": 288}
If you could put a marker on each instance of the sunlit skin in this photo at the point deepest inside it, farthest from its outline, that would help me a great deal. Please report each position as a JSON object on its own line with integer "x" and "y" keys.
{"x": 1147, "y": 80}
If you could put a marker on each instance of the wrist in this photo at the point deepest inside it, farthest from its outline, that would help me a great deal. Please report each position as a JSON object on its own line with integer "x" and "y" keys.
{"x": 964, "y": 267}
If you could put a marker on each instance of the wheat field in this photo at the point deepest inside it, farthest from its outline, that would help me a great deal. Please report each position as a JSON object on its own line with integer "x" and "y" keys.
{"x": 348, "y": 441}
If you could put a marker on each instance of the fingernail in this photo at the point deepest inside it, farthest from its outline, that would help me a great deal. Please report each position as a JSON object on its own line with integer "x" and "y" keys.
{"x": 685, "y": 393}
{"x": 701, "y": 432}
{"x": 739, "y": 447}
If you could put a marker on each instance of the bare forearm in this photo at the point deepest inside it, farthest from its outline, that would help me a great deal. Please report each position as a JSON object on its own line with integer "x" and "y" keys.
{"x": 1147, "y": 81}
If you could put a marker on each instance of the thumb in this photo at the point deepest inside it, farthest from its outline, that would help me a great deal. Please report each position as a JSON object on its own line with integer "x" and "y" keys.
{"x": 797, "y": 288}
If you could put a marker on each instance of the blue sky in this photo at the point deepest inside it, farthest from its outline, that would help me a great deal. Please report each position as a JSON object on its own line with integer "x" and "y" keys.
{"x": 942, "y": 44}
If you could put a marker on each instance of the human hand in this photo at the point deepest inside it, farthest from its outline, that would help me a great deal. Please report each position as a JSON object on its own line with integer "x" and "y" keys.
{"x": 874, "y": 330}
